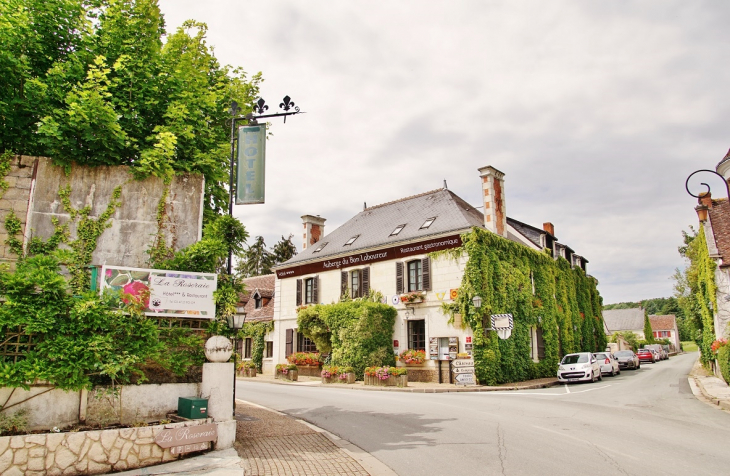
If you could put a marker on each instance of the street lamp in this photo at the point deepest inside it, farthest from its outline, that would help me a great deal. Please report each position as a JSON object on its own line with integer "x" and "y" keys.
{"x": 235, "y": 322}
{"x": 477, "y": 301}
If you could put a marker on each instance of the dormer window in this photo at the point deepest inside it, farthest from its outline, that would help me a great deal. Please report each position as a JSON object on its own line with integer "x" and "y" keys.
{"x": 351, "y": 240}
{"x": 258, "y": 301}
{"x": 319, "y": 248}
{"x": 427, "y": 223}
{"x": 398, "y": 229}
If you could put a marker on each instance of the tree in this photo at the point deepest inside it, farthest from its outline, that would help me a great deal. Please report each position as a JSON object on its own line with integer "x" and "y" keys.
{"x": 648, "y": 332}
{"x": 256, "y": 260}
{"x": 91, "y": 82}
{"x": 284, "y": 250}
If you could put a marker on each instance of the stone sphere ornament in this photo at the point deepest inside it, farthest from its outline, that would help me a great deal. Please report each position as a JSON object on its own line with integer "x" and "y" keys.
{"x": 218, "y": 349}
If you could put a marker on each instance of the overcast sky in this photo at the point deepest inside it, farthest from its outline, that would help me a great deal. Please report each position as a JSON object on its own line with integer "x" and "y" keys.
{"x": 596, "y": 112}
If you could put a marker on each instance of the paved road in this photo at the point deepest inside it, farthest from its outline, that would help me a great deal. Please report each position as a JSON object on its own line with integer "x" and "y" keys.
{"x": 642, "y": 422}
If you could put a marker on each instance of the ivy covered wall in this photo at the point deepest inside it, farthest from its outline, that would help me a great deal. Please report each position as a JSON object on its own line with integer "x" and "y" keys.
{"x": 539, "y": 292}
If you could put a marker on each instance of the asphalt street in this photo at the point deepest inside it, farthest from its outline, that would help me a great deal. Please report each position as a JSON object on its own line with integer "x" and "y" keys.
{"x": 641, "y": 422}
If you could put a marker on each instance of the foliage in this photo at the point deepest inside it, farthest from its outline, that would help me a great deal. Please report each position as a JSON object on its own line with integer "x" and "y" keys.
{"x": 247, "y": 364}
{"x": 357, "y": 333}
{"x": 304, "y": 358}
{"x": 284, "y": 250}
{"x": 329, "y": 371}
{"x": 628, "y": 336}
{"x": 93, "y": 83}
{"x": 256, "y": 260}
{"x": 5, "y": 160}
{"x": 696, "y": 291}
{"x": 412, "y": 296}
{"x": 411, "y": 356}
{"x": 565, "y": 304}
{"x": 257, "y": 332}
{"x": 80, "y": 338}
{"x": 385, "y": 372}
{"x": 723, "y": 360}
{"x": 648, "y": 332}
{"x": 182, "y": 349}
{"x": 14, "y": 227}
{"x": 14, "y": 423}
{"x": 284, "y": 368}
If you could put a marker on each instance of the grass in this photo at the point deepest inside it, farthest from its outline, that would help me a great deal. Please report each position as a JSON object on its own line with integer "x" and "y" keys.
{"x": 689, "y": 346}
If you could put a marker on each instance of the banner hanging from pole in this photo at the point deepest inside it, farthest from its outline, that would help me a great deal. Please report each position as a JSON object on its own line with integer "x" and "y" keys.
{"x": 251, "y": 164}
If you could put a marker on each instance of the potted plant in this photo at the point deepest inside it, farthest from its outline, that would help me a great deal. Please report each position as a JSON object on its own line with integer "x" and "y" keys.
{"x": 346, "y": 375}
{"x": 307, "y": 363}
{"x": 247, "y": 368}
{"x": 287, "y": 372}
{"x": 329, "y": 373}
{"x": 399, "y": 376}
{"x": 413, "y": 297}
{"x": 413, "y": 357}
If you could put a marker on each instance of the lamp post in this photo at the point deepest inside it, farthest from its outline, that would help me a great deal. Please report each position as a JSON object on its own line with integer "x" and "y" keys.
{"x": 235, "y": 322}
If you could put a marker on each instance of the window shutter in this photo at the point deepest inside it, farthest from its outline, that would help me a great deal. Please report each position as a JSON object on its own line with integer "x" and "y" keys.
{"x": 426, "y": 270}
{"x": 399, "y": 277}
{"x": 315, "y": 295}
{"x": 299, "y": 292}
{"x": 365, "y": 281}
{"x": 343, "y": 283}
{"x": 289, "y": 342}
{"x": 540, "y": 344}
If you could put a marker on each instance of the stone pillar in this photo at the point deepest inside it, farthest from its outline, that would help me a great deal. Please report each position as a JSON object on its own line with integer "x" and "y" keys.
{"x": 217, "y": 387}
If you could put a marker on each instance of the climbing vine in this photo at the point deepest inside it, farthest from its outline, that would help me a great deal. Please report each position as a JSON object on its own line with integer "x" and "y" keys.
{"x": 159, "y": 251}
{"x": 540, "y": 293}
{"x": 257, "y": 332}
{"x": 705, "y": 293}
{"x": 13, "y": 227}
{"x": 5, "y": 161}
{"x": 88, "y": 231}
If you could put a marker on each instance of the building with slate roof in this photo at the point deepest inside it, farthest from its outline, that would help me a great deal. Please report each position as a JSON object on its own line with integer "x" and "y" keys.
{"x": 257, "y": 303}
{"x": 714, "y": 217}
{"x": 665, "y": 327}
{"x": 625, "y": 320}
{"x": 385, "y": 248}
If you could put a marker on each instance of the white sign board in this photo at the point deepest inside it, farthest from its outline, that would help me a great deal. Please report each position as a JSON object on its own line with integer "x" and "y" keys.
{"x": 164, "y": 293}
{"x": 502, "y": 321}
{"x": 465, "y": 379}
{"x": 463, "y": 363}
{"x": 463, "y": 370}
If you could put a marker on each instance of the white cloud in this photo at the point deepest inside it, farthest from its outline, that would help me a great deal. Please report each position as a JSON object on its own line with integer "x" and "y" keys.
{"x": 597, "y": 112}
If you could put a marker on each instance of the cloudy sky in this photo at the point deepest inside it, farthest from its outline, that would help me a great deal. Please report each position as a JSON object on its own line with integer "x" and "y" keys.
{"x": 596, "y": 112}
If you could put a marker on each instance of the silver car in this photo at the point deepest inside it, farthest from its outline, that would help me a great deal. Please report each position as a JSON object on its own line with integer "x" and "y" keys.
{"x": 609, "y": 365}
{"x": 627, "y": 359}
{"x": 580, "y": 367}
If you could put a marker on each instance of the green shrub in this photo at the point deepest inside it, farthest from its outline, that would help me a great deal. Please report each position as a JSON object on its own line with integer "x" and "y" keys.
{"x": 723, "y": 359}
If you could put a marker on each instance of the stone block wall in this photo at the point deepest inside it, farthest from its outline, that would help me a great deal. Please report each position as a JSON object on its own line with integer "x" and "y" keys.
{"x": 16, "y": 198}
{"x": 85, "y": 452}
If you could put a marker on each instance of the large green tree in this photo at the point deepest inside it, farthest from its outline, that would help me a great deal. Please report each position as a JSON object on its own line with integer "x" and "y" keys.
{"x": 91, "y": 82}
{"x": 256, "y": 260}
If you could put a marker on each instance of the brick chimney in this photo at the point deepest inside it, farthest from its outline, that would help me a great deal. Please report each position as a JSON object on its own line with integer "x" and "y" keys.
{"x": 313, "y": 230}
{"x": 495, "y": 212}
{"x": 548, "y": 227}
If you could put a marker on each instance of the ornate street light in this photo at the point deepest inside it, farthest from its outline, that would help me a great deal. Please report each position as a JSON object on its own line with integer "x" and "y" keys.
{"x": 235, "y": 322}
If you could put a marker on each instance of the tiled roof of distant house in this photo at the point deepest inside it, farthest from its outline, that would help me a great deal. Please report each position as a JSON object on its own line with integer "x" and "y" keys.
{"x": 624, "y": 319}
{"x": 264, "y": 287}
{"x": 663, "y": 323}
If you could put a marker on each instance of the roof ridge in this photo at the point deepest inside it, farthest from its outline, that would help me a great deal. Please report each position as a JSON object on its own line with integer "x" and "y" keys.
{"x": 404, "y": 199}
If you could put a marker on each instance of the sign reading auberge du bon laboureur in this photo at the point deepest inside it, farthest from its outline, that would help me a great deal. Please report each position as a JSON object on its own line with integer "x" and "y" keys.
{"x": 165, "y": 293}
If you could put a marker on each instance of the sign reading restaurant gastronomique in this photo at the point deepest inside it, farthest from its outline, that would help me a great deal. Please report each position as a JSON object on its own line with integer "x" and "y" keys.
{"x": 165, "y": 293}
{"x": 359, "y": 259}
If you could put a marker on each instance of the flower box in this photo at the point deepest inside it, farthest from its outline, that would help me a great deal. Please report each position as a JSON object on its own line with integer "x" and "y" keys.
{"x": 386, "y": 377}
{"x": 309, "y": 370}
{"x": 348, "y": 378}
{"x": 291, "y": 375}
{"x": 249, "y": 372}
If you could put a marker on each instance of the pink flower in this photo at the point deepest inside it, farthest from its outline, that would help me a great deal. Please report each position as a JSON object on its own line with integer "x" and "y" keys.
{"x": 139, "y": 290}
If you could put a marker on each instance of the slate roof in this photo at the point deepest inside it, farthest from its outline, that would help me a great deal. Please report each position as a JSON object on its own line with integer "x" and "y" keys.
{"x": 720, "y": 221}
{"x": 724, "y": 159}
{"x": 264, "y": 285}
{"x": 624, "y": 320}
{"x": 375, "y": 224}
{"x": 528, "y": 231}
{"x": 663, "y": 323}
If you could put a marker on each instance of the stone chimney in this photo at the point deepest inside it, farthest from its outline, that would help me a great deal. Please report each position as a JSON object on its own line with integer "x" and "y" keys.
{"x": 495, "y": 212}
{"x": 313, "y": 230}
{"x": 549, "y": 228}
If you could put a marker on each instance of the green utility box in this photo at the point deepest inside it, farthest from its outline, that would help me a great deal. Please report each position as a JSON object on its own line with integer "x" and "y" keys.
{"x": 192, "y": 407}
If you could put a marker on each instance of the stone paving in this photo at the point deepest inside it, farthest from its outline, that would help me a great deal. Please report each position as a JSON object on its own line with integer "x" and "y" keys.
{"x": 713, "y": 389}
{"x": 272, "y": 443}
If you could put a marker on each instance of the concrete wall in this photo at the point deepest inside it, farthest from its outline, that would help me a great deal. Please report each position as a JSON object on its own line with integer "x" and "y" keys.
{"x": 35, "y": 183}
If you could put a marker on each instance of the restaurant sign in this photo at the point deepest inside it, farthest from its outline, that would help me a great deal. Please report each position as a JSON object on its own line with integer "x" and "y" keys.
{"x": 164, "y": 293}
{"x": 187, "y": 439}
{"x": 364, "y": 258}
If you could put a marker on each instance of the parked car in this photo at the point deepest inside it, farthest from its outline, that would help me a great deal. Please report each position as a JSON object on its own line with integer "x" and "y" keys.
{"x": 657, "y": 349}
{"x": 666, "y": 349}
{"x": 627, "y": 359}
{"x": 582, "y": 366}
{"x": 607, "y": 363}
{"x": 646, "y": 355}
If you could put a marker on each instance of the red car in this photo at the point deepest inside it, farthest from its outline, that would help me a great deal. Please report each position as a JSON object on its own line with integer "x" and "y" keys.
{"x": 645, "y": 355}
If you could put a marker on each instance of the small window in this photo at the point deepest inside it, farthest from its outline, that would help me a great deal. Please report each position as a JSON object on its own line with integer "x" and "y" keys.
{"x": 351, "y": 240}
{"x": 269, "y": 349}
{"x": 305, "y": 344}
{"x": 247, "y": 348}
{"x": 417, "y": 335}
{"x": 415, "y": 276}
{"x": 258, "y": 302}
{"x": 320, "y": 247}
{"x": 355, "y": 283}
{"x": 398, "y": 229}
{"x": 427, "y": 223}
{"x": 309, "y": 291}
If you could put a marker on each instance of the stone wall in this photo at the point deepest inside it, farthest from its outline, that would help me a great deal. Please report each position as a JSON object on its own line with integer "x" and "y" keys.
{"x": 33, "y": 194}
{"x": 85, "y": 452}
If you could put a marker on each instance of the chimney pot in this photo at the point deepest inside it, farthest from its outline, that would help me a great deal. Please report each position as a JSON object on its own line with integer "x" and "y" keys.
{"x": 701, "y": 213}
{"x": 705, "y": 199}
{"x": 313, "y": 229}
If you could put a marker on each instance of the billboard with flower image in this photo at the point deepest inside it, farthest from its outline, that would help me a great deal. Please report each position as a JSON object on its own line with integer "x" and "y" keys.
{"x": 164, "y": 293}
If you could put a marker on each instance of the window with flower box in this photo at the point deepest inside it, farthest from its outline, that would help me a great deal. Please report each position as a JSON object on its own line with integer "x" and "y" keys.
{"x": 417, "y": 335}
{"x": 415, "y": 275}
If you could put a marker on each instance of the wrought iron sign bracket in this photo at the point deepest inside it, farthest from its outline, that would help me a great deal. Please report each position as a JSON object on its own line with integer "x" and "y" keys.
{"x": 686, "y": 183}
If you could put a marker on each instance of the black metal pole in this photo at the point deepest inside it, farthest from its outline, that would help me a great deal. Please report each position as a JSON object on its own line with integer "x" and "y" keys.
{"x": 235, "y": 348}
{"x": 234, "y": 111}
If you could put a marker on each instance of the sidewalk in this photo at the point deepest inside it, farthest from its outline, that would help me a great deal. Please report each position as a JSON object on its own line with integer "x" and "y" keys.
{"x": 712, "y": 389}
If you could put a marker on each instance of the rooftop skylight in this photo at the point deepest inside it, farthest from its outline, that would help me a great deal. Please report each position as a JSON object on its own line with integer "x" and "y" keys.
{"x": 351, "y": 240}
{"x": 398, "y": 229}
{"x": 427, "y": 223}
{"x": 319, "y": 248}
